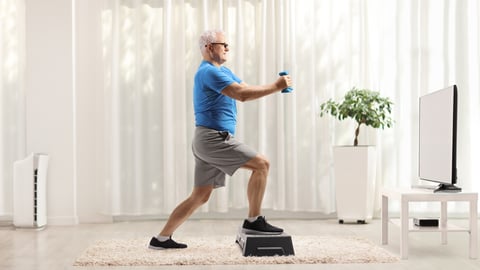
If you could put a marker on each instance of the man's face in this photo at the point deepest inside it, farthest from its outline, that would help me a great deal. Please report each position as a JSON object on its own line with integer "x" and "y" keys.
{"x": 218, "y": 49}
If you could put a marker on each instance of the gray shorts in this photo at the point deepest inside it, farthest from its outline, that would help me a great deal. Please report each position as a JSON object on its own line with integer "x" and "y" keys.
{"x": 217, "y": 153}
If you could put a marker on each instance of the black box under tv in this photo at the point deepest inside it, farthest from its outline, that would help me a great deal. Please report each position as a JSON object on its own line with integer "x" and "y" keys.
{"x": 425, "y": 222}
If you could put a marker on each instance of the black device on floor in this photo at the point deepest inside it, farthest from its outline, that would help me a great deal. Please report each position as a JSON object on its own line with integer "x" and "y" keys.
{"x": 265, "y": 245}
{"x": 425, "y": 222}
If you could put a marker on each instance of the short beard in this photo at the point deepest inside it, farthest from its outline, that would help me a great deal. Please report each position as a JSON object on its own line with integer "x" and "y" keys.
{"x": 217, "y": 59}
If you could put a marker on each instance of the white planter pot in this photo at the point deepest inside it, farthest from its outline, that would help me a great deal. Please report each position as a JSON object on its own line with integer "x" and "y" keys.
{"x": 354, "y": 169}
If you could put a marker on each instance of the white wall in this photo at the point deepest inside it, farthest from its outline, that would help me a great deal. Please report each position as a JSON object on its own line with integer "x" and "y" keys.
{"x": 49, "y": 101}
{"x": 64, "y": 106}
{"x": 90, "y": 113}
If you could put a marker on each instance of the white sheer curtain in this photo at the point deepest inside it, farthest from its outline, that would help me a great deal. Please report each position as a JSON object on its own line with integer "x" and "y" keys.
{"x": 401, "y": 48}
{"x": 12, "y": 122}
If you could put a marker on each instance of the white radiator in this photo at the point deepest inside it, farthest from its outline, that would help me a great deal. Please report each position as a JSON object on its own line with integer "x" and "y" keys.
{"x": 29, "y": 191}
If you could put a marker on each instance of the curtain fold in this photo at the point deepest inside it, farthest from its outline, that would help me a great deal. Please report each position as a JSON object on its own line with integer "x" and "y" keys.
{"x": 403, "y": 49}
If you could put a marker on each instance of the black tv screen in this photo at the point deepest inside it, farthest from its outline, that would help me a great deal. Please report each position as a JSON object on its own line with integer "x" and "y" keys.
{"x": 438, "y": 137}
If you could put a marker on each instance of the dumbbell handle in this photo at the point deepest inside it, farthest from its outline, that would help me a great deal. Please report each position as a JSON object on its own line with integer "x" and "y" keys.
{"x": 288, "y": 89}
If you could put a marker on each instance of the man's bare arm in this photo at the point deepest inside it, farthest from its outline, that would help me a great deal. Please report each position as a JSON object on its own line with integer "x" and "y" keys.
{"x": 244, "y": 92}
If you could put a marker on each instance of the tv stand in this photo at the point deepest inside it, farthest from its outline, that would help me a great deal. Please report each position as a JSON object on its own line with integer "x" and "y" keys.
{"x": 406, "y": 196}
{"x": 447, "y": 188}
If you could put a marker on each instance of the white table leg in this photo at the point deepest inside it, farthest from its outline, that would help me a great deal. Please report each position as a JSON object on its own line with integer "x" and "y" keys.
{"x": 473, "y": 229}
{"x": 404, "y": 228}
{"x": 443, "y": 222}
{"x": 384, "y": 220}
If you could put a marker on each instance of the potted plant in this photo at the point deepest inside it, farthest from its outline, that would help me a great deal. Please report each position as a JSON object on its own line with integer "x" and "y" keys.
{"x": 354, "y": 167}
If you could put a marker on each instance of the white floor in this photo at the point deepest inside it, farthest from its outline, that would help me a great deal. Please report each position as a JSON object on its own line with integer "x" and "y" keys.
{"x": 56, "y": 247}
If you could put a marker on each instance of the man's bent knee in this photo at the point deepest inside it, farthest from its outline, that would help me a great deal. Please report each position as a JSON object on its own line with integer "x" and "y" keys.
{"x": 264, "y": 164}
{"x": 258, "y": 163}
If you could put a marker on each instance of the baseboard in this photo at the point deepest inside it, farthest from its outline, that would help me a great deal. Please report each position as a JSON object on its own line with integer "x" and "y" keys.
{"x": 6, "y": 221}
{"x": 62, "y": 220}
{"x": 96, "y": 219}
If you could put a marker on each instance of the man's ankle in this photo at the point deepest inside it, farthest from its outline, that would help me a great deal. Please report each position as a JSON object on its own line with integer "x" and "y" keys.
{"x": 162, "y": 238}
{"x": 252, "y": 219}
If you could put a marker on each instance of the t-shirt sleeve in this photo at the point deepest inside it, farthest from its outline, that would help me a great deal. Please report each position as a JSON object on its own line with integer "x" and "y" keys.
{"x": 218, "y": 79}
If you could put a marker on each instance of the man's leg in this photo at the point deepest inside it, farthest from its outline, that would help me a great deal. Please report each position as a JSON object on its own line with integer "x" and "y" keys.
{"x": 199, "y": 196}
{"x": 257, "y": 183}
{"x": 256, "y": 223}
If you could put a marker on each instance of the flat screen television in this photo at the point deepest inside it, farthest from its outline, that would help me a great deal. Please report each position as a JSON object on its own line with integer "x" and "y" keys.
{"x": 437, "y": 149}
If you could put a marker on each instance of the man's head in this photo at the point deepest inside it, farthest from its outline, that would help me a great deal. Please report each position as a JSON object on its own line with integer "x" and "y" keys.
{"x": 213, "y": 46}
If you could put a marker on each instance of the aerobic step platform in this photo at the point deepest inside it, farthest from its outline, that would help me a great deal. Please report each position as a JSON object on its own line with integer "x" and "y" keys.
{"x": 265, "y": 245}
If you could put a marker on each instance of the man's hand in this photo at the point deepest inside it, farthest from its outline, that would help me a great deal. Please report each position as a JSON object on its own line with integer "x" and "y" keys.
{"x": 284, "y": 82}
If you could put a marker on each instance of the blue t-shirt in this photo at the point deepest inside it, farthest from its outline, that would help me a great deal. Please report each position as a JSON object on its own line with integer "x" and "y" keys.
{"x": 213, "y": 109}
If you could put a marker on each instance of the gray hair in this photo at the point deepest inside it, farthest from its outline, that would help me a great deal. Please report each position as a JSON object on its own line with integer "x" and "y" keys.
{"x": 209, "y": 36}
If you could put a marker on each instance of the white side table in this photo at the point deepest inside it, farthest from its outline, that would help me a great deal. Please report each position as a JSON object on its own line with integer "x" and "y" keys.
{"x": 405, "y": 196}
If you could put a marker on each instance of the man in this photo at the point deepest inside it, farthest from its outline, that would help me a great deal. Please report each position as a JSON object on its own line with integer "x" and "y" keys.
{"x": 216, "y": 151}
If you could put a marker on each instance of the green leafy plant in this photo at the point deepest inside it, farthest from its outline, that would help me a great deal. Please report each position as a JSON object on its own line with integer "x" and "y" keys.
{"x": 362, "y": 105}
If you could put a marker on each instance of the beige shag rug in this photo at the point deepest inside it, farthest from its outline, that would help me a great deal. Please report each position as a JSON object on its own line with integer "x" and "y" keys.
{"x": 224, "y": 251}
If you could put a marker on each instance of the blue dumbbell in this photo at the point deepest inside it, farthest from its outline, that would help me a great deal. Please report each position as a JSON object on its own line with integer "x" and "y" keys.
{"x": 288, "y": 89}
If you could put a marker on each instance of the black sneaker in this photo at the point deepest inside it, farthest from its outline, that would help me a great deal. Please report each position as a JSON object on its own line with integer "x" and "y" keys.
{"x": 156, "y": 244}
{"x": 260, "y": 226}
